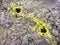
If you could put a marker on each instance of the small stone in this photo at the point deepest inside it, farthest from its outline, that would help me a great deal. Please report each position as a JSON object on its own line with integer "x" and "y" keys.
{"x": 18, "y": 42}
{"x": 4, "y": 34}
{"x": 55, "y": 32}
{"x": 8, "y": 23}
{"x": 9, "y": 31}
{"x": 40, "y": 42}
{"x": 25, "y": 40}
{"x": 2, "y": 19}
{"x": 8, "y": 8}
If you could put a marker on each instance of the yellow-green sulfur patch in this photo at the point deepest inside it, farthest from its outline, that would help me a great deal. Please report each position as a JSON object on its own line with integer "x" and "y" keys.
{"x": 42, "y": 29}
{"x": 16, "y": 9}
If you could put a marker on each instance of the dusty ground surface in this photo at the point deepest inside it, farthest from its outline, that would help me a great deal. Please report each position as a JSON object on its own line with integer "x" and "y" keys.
{"x": 19, "y": 30}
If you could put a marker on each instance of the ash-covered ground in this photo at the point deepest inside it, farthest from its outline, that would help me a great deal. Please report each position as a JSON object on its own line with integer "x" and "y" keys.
{"x": 18, "y": 31}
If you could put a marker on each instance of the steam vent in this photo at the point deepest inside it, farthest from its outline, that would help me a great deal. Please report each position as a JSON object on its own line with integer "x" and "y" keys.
{"x": 29, "y": 22}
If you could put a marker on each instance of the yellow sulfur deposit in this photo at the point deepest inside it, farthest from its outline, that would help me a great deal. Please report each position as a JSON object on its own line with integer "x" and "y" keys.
{"x": 42, "y": 29}
{"x": 16, "y": 9}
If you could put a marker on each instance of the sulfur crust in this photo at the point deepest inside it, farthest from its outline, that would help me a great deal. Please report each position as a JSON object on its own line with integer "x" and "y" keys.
{"x": 39, "y": 25}
{"x": 14, "y": 6}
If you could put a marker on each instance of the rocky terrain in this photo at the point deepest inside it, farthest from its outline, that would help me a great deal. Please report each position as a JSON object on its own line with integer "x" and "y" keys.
{"x": 19, "y": 30}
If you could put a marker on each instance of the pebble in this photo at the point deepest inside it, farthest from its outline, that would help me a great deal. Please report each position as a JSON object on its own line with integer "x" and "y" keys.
{"x": 8, "y": 8}
{"x": 55, "y": 32}
{"x": 8, "y": 23}
{"x": 2, "y": 19}
{"x": 40, "y": 42}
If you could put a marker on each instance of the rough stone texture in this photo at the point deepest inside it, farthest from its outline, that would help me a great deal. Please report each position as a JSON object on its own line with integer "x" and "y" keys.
{"x": 20, "y": 32}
